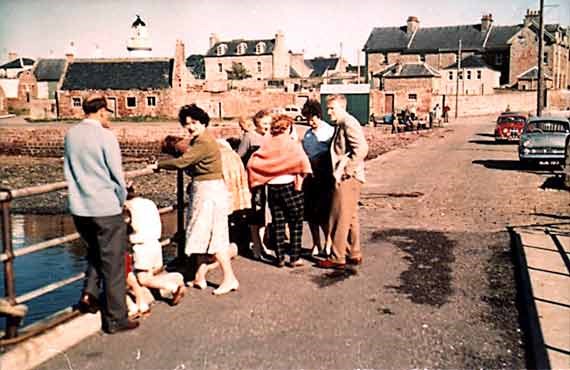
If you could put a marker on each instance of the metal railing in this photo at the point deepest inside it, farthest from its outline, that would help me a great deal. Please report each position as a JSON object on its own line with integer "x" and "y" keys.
{"x": 11, "y": 300}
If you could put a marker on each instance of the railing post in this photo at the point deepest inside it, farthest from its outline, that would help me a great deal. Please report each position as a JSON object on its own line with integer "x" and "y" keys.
{"x": 181, "y": 235}
{"x": 9, "y": 286}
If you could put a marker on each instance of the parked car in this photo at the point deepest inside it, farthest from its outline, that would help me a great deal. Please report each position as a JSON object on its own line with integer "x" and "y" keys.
{"x": 543, "y": 140}
{"x": 292, "y": 111}
{"x": 509, "y": 126}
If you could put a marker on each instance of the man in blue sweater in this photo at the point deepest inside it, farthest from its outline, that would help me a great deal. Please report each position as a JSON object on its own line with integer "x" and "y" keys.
{"x": 96, "y": 194}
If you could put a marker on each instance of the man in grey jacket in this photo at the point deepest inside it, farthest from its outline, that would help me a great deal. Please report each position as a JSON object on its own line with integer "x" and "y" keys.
{"x": 348, "y": 150}
{"x": 96, "y": 195}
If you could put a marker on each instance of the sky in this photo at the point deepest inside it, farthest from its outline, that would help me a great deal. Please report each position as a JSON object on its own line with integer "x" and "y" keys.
{"x": 45, "y": 28}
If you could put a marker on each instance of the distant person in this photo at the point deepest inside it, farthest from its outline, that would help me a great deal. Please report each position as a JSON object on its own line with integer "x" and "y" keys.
{"x": 348, "y": 150}
{"x": 318, "y": 187}
{"x": 446, "y": 110}
{"x": 437, "y": 114}
{"x": 281, "y": 163}
{"x": 207, "y": 221}
{"x": 96, "y": 194}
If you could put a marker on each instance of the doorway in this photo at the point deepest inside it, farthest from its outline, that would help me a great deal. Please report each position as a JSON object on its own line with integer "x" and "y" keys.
{"x": 112, "y": 103}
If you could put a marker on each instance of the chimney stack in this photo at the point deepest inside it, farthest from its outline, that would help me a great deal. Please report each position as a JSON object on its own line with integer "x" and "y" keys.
{"x": 213, "y": 40}
{"x": 413, "y": 24}
{"x": 70, "y": 52}
{"x": 486, "y": 22}
{"x": 12, "y": 55}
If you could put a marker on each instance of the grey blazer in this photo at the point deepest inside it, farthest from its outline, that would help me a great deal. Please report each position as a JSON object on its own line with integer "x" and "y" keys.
{"x": 348, "y": 149}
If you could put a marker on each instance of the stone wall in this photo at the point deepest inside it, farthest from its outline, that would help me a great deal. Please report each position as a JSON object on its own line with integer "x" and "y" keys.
{"x": 517, "y": 101}
{"x": 163, "y": 98}
{"x": 250, "y": 62}
{"x": 138, "y": 141}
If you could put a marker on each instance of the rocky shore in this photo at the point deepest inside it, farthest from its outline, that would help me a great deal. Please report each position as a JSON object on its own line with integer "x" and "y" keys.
{"x": 17, "y": 172}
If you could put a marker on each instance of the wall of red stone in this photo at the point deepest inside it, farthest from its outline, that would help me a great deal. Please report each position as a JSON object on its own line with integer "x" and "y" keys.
{"x": 138, "y": 141}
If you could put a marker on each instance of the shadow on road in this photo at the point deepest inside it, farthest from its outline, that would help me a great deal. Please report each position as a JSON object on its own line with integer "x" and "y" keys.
{"x": 493, "y": 142}
{"x": 556, "y": 217}
{"x": 555, "y": 182}
{"x": 513, "y": 165}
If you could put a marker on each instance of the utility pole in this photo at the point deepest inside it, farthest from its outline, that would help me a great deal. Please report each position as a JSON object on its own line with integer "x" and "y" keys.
{"x": 457, "y": 80}
{"x": 540, "y": 87}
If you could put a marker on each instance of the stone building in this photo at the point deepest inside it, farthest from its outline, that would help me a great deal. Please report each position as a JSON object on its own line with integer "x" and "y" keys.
{"x": 409, "y": 85}
{"x": 528, "y": 80}
{"x": 15, "y": 66}
{"x": 509, "y": 49}
{"x": 314, "y": 72}
{"x": 3, "y": 103}
{"x": 475, "y": 76}
{"x": 134, "y": 87}
{"x": 266, "y": 59}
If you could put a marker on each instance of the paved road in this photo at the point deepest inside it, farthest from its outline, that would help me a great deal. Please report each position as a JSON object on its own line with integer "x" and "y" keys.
{"x": 436, "y": 288}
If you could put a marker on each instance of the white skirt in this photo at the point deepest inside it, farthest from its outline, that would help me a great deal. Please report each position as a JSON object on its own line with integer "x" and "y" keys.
{"x": 207, "y": 218}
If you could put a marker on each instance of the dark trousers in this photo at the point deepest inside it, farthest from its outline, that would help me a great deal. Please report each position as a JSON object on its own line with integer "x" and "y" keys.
{"x": 287, "y": 206}
{"x": 106, "y": 239}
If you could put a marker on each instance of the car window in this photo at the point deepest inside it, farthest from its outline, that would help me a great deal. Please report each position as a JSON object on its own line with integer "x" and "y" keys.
{"x": 511, "y": 119}
{"x": 548, "y": 126}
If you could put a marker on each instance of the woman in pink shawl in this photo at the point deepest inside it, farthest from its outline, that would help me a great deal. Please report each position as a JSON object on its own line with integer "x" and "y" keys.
{"x": 281, "y": 163}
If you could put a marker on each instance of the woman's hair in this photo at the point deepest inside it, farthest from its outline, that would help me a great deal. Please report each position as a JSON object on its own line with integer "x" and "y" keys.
{"x": 280, "y": 124}
{"x": 194, "y": 112}
{"x": 173, "y": 145}
{"x": 312, "y": 108}
{"x": 259, "y": 115}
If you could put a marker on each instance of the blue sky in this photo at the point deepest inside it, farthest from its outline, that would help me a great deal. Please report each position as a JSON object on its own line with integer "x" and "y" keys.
{"x": 44, "y": 28}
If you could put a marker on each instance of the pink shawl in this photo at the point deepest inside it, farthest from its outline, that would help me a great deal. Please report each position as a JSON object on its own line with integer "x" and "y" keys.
{"x": 278, "y": 155}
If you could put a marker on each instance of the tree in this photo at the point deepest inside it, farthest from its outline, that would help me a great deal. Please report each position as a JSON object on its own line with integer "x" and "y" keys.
{"x": 238, "y": 72}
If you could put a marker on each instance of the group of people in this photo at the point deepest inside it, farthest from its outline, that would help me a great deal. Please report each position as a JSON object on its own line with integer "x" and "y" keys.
{"x": 316, "y": 179}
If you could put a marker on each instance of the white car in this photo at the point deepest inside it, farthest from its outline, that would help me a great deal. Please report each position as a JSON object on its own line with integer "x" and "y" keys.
{"x": 291, "y": 111}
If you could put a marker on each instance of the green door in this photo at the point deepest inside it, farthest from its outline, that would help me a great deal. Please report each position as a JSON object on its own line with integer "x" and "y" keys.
{"x": 356, "y": 104}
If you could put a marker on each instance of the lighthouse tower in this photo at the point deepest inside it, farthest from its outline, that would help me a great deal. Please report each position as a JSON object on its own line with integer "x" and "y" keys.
{"x": 139, "y": 45}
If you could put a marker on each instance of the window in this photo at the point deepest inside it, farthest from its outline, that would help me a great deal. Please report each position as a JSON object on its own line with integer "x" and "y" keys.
{"x": 545, "y": 59}
{"x": 451, "y": 75}
{"x": 460, "y": 75}
{"x": 131, "y": 102}
{"x": 220, "y": 67}
{"x": 478, "y": 74}
{"x": 499, "y": 59}
{"x": 260, "y": 48}
{"x": 151, "y": 101}
{"x": 412, "y": 97}
{"x": 468, "y": 75}
{"x": 258, "y": 66}
{"x": 241, "y": 48}
{"x": 76, "y": 102}
{"x": 422, "y": 57}
{"x": 221, "y": 49}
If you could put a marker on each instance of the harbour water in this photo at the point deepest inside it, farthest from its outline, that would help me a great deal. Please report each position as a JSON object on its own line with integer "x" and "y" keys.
{"x": 35, "y": 270}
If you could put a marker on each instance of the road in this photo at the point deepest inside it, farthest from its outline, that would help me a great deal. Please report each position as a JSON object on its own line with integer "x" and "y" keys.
{"x": 436, "y": 289}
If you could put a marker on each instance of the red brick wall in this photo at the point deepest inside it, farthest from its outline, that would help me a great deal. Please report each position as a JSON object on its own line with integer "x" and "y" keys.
{"x": 524, "y": 54}
{"x": 27, "y": 84}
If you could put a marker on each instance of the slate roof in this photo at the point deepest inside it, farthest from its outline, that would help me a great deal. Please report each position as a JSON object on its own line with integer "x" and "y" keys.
{"x": 500, "y": 35}
{"x": 408, "y": 70}
{"x": 49, "y": 69}
{"x": 472, "y": 61}
{"x": 532, "y": 74}
{"x": 436, "y": 39}
{"x": 321, "y": 65}
{"x": 293, "y": 73}
{"x": 250, "y": 50}
{"x": 118, "y": 74}
{"x": 18, "y": 63}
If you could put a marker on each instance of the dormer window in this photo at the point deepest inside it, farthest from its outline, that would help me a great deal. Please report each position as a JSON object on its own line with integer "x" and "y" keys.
{"x": 260, "y": 48}
{"x": 241, "y": 48}
{"x": 221, "y": 49}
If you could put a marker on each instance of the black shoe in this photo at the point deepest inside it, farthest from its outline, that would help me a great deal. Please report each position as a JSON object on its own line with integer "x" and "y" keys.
{"x": 88, "y": 303}
{"x": 130, "y": 325}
